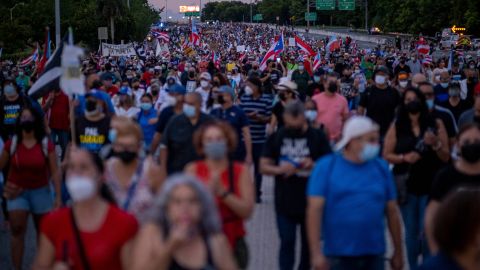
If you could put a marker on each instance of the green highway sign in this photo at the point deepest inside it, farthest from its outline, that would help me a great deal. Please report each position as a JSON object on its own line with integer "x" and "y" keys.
{"x": 312, "y": 16}
{"x": 346, "y": 4}
{"x": 326, "y": 4}
{"x": 258, "y": 17}
{"x": 192, "y": 14}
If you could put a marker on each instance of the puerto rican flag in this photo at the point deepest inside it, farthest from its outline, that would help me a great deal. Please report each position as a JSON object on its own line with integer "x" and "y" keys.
{"x": 216, "y": 59}
{"x": 275, "y": 50}
{"x": 194, "y": 36}
{"x": 32, "y": 58}
{"x": 304, "y": 46}
{"x": 332, "y": 44}
{"x": 317, "y": 61}
{"x": 163, "y": 36}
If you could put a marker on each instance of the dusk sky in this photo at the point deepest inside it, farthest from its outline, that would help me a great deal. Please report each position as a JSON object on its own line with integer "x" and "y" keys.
{"x": 173, "y": 6}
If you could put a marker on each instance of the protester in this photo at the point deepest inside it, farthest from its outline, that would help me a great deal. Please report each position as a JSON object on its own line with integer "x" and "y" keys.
{"x": 147, "y": 119}
{"x": 472, "y": 115}
{"x": 302, "y": 79}
{"x": 289, "y": 155}
{"x": 57, "y": 109}
{"x": 349, "y": 195}
{"x": 185, "y": 230}
{"x": 229, "y": 181}
{"x": 455, "y": 104}
{"x": 287, "y": 92}
{"x": 91, "y": 234}
{"x": 204, "y": 89}
{"x": 31, "y": 160}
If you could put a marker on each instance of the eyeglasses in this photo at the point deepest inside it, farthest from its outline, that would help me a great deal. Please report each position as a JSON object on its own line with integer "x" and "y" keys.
{"x": 429, "y": 95}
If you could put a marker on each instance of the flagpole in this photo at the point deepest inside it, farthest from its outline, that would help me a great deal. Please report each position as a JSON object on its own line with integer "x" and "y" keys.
{"x": 57, "y": 23}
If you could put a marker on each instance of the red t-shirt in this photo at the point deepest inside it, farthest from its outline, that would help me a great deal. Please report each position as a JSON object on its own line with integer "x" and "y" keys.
{"x": 28, "y": 166}
{"x": 233, "y": 227}
{"x": 59, "y": 114}
{"x": 147, "y": 77}
{"x": 113, "y": 90}
{"x": 102, "y": 248}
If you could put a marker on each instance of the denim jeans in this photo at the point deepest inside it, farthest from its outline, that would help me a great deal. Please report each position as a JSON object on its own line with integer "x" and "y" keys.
{"x": 413, "y": 213}
{"x": 257, "y": 149}
{"x": 287, "y": 230}
{"x": 368, "y": 262}
{"x": 60, "y": 137}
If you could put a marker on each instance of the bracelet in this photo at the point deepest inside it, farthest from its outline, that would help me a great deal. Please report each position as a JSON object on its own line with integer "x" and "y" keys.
{"x": 224, "y": 194}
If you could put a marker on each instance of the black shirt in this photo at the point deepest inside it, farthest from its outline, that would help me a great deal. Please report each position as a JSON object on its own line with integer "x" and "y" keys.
{"x": 92, "y": 135}
{"x": 399, "y": 69}
{"x": 381, "y": 105}
{"x": 277, "y": 110}
{"x": 286, "y": 146}
{"x": 346, "y": 87}
{"x": 163, "y": 118}
{"x": 177, "y": 138}
{"x": 461, "y": 107}
{"x": 449, "y": 179}
{"x": 447, "y": 119}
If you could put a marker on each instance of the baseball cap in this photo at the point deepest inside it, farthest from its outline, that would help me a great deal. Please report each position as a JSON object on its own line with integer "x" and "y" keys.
{"x": 94, "y": 93}
{"x": 355, "y": 127}
{"x": 402, "y": 75}
{"x": 226, "y": 89}
{"x": 177, "y": 89}
{"x": 125, "y": 90}
{"x": 205, "y": 76}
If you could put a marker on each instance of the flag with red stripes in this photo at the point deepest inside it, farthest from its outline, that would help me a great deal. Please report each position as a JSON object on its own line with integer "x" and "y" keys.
{"x": 304, "y": 47}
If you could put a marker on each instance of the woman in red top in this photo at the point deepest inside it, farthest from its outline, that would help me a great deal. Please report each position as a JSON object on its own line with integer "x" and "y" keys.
{"x": 31, "y": 163}
{"x": 230, "y": 182}
{"x": 92, "y": 234}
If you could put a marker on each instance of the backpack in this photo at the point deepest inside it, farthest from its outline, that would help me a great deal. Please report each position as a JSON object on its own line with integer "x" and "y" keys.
{"x": 14, "y": 145}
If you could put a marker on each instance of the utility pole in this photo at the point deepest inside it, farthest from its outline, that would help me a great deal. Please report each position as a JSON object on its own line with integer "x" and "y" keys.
{"x": 166, "y": 11}
{"x": 57, "y": 23}
{"x": 308, "y": 14}
{"x": 366, "y": 15}
{"x": 251, "y": 12}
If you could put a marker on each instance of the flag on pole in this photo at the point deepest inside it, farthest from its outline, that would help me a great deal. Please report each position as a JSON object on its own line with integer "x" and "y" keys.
{"x": 46, "y": 52}
{"x": 274, "y": 50}
{"x": 32, "y": 58}
{"x": 333, "y": 44}
{"x": 194, "y": 36}
{"x": 317, "y": 61}
{"x": 304, "y": 46}
{"x": 450, "y": 60}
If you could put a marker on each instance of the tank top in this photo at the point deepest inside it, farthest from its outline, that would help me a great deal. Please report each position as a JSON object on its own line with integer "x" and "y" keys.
{"x": 232, "y": 224}
{"x": 174, "y": 265}
{"x": 137, "y": 197}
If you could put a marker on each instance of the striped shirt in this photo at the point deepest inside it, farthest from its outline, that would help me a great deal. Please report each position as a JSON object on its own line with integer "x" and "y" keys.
{"x": 263, "y": 107}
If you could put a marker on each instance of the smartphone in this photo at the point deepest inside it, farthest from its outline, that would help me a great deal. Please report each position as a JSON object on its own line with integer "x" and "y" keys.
{"x": 278, "y": 60}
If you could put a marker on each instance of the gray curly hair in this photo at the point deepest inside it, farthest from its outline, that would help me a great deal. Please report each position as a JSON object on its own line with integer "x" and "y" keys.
{"x": 210, "y": 220}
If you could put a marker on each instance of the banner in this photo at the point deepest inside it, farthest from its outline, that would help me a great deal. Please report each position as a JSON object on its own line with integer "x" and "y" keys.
{"x": 118, "y": 50}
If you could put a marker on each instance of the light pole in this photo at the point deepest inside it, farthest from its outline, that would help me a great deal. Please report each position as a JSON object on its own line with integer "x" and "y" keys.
{"x": 251, "y": 12}
{"x": 366, "y": 15}
{"x": 57, "y": 23}
{"x": 11, "y": 10}
{"x": 166, "y": 11}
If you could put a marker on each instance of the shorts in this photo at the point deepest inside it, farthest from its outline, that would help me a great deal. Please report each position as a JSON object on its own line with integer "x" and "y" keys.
{"x": 37, "y": 201}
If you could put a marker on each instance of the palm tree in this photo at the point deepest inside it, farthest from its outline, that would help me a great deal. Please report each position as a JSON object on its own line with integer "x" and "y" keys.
{"x": 111, "y": 9}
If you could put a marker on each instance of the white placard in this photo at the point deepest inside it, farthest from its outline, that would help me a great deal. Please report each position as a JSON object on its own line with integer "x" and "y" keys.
{"x": 118, "y": 50}
{"x": 241, "y": 48}
{"x": 291, "y": 42}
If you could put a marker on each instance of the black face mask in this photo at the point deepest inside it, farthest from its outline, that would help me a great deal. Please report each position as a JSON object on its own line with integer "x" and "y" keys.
{"x": 413, "y": 107}
{"x": 154, "y": 92}
{"x": 90, "y": 105}
{"x": 282, "y": 96}
{"x": 221, "y": 100}
{"x": 126, "y": 156}
{"x": 27, "y": 125}
{"x": 294, "y": 131}
{"x": 191, "y": 74}
{"x": 332, "y": 87}
{"x": 402, "y": 62}
{"x": 470, "y": 152}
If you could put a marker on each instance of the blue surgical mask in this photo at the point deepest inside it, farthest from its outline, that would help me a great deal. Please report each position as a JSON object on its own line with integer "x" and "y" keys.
{"x": 215, "y": 150}
{"x": 146, "y": 106}
{"x": 430, "y": 103}
{"x": 311, "y": 115}
{"x": 316, "y": 79}
{"x": 444, "y": 85}
{"x": 370, "y": 151}
{"x": 112, "y": 135}
{"x": 189, "y": 110}
{"x": 9, "y": 90}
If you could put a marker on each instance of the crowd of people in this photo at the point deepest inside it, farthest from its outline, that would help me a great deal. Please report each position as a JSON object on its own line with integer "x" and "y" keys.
{"x": 160, "y": 164}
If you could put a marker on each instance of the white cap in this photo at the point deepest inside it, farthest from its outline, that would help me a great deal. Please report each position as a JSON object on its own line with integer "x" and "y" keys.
{"x": 206, "y": 76}
{"x": 355, "y": 127}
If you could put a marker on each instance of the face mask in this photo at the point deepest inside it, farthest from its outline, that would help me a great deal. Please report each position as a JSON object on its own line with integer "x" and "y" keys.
{"x": 357, "y": 71}
{"x": 472, "y": 66}
{"x": 403, "y": 84}
{"x": 229, "y": 77}
{"x": 414, "y": 107}
{"x": 470, "y": 152}
{"x": 91, "y": 106}
{"x": 146, "y": 106}
{"x": 20, "y": 73}
{"x": 437, "y": 78}
{"x": 402, "y": 62}
{"x": 191, "y": 74}
{"x": 282, "y": 96}
{"x": 204, "y": 84}
{"x": 170, "y": 101}
{"x": 444, "y": 85}
{"x": 311, "y": 115}
{"x": 154, "y": 92}
{"x": 248, "y": 90}
{"x": 80, "y": 188}
{"x": 112, "y": 135}
{"x": 332, "y": 87}
{"x": 454, "y": 92}
{"x": 430, "y": 103}
{"x": 301, "y": 68}
{"x": 27, "y": 125}
{"x": 316, "y": 79}
{"x": 215, "y": 150}
{"x": 369, "y": 152}
{"x": 329, "y": 70}
{"x": 9, "y": 90}
{"x": 189, "y": 110}
{"x": 126, "y": 157}
{"x": 379, "y": 79}
{"x": 220, "y": 100}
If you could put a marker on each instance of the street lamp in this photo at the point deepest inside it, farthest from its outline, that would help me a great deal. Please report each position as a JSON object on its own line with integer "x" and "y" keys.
{"x": 11, "y": 10}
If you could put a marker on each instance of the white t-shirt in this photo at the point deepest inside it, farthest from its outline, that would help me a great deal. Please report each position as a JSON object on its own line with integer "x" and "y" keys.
{"x": 204, "y": 94}
{"x": 132, "y": 112}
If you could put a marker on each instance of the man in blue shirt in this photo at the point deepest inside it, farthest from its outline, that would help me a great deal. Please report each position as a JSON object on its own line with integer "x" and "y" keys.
{"x": 237, "y": 118}
{"x": 349, "y": 195}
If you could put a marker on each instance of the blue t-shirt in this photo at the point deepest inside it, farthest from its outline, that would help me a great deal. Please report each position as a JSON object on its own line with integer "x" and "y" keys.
{"x": 355, "y": 200}
{"x": 148, "y": 129}
{"x": 440, "y": 262}
{"x": 237, "y": 118}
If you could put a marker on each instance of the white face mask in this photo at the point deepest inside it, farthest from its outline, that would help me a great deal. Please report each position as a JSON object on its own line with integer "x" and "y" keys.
{"x": 248, "y": 90}
{"x": 204, "y": 84}
{"x": 81, "y": 188}
{"x": 171, "y": 101}
{"x": 379, "y": 79}
{"x": 403, "y": 84}
{"x": 301, "y": 68}
{"x": 311, "y": 115}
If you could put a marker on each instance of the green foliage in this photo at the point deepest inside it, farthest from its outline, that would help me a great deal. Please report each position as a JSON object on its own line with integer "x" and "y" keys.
{"x": 84, "y": 16}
